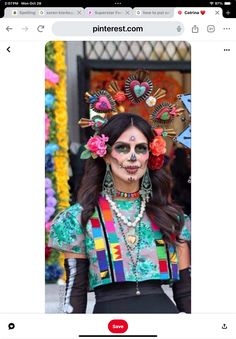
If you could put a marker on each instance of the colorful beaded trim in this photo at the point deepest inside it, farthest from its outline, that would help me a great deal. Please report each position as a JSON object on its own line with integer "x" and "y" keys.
{"x": 134, "y": 195}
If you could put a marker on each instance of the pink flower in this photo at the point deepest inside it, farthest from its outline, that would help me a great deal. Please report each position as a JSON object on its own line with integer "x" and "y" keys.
{"x": 51, "y": 76}
{"x": 48, "y": 226}
{"x": 47, "y": 126}
{"x": 97, "y": 145}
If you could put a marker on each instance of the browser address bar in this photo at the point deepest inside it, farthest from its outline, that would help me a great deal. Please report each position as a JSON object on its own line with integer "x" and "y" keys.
{"x": 108, "y": 28}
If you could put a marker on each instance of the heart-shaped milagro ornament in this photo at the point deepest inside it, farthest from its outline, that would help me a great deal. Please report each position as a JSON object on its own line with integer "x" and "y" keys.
{"x": 103, "y": 104}
{"x": 164, "y": 114}
{"x": 139, "y": 89}
{"x": 132, "y": 239}
{"x": 98, "y": 122}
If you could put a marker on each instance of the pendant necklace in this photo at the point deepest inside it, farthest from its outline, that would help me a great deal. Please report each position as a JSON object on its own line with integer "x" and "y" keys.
{"x": 132, "y": 238}
{"x": 129, "y": 249}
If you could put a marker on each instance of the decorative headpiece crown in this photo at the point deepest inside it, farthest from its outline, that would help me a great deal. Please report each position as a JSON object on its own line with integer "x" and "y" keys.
{"x": 137, "y": 88}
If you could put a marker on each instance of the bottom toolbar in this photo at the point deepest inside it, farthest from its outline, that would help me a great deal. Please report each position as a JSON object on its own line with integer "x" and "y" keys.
{"x": 162, "y": 326}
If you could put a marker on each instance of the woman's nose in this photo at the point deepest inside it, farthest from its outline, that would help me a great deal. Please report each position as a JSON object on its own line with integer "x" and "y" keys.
{"x": 133, "y": 157}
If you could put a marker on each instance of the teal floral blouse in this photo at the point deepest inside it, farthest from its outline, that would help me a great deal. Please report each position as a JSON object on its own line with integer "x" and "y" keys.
{"x": 67, "y": 234}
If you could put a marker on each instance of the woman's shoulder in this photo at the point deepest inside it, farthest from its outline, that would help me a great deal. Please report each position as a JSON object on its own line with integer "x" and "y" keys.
{"x": 66, "y": 231}
{"x": 72, "y": 211}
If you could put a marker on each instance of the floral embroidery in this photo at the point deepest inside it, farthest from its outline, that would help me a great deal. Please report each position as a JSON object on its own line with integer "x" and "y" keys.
{"x": 67, "y": 234}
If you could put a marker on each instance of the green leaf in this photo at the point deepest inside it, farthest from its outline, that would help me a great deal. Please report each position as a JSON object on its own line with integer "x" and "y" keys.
{"x": 94, "y": 156}
{"x": 85, "y": 154}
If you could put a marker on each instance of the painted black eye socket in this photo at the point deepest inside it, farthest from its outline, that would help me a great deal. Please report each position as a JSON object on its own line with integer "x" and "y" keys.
{"x": 142, "y": 148}
{"x": 126, "y": 148}
{"x": 122, "y": 148}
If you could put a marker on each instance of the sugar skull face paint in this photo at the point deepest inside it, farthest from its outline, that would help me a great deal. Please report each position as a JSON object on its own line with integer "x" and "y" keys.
{"x": 129, "y": 157}
{"x": 133, "y": 157}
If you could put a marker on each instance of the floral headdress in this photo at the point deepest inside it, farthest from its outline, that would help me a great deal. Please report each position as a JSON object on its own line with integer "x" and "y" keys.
{"x": 137, "y": 88}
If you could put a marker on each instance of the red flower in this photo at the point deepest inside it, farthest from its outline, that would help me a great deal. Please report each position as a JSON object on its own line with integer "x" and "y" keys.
{"x": 155, "y": 163}
{"x": 158, "y": 146}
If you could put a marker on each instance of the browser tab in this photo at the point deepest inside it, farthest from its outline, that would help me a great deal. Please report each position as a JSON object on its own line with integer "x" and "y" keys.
{"x": 108, "y": 12}
{"x": 72, "y": 12}
{"x": 155, "y": 12}
{"x": 49, "y": 12}
{"x": 21, "y": 12}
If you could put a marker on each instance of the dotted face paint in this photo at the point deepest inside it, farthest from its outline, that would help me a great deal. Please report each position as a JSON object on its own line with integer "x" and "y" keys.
{"x": 128, "y": 158}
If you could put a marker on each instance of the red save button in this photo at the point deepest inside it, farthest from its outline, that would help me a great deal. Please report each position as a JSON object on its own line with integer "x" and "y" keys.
{"x": 118, "y": 326}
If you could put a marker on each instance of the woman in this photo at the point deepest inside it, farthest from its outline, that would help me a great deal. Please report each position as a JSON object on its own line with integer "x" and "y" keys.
{"x": 124, "y": 234}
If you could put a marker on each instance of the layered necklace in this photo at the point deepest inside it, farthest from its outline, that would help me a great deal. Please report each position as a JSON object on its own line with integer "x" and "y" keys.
{"x": 132, "y": 237}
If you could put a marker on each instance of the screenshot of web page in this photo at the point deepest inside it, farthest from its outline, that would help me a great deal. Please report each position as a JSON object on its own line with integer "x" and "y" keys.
{"x": 117, "y": 170}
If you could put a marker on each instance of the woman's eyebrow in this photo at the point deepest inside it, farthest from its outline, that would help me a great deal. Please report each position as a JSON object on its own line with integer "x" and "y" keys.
{"x": 121, "y": 142}
{"x": 126, "y": 143}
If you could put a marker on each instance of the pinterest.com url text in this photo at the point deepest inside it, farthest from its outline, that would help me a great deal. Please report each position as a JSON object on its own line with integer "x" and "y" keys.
{"x": 99, "y": 28}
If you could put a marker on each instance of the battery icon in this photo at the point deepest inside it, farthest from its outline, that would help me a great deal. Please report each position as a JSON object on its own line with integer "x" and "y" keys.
{"x": 227, "y": 3}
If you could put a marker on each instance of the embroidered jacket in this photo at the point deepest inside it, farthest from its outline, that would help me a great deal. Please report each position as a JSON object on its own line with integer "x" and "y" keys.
{"x": 104, "y": 245}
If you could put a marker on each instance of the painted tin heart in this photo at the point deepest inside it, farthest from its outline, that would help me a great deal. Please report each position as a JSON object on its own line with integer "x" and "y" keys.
{"x": 98, "y": 122}
{"x": 163, "y": 114}
{"x": 138, "y": 89}
{"x": 103, "y": 104}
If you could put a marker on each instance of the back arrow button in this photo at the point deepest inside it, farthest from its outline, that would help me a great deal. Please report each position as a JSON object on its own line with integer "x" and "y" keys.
{"x": 8, "y": 49}
{"x": 8, "y": 28}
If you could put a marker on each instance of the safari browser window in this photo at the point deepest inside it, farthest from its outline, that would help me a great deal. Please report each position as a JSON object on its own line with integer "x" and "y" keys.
{"x": 117, "y": 170}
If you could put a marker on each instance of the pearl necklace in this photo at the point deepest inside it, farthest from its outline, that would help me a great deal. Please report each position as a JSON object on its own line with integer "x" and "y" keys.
{"x": 122, "y": 217}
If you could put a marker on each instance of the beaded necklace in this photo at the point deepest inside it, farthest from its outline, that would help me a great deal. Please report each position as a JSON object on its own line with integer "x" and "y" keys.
{"x": 134, "y": 195}
{"x": 129, "y": 249}
{"x": 132, "y": 238}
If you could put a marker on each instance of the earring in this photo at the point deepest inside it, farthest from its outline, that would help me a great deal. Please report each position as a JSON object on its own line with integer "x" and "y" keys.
{"x": 146, "y": 187}
{"x": 108, "y": 184}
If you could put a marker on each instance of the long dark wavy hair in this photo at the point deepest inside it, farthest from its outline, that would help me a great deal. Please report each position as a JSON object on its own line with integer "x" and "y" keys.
{"x": 167, "y": 215}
